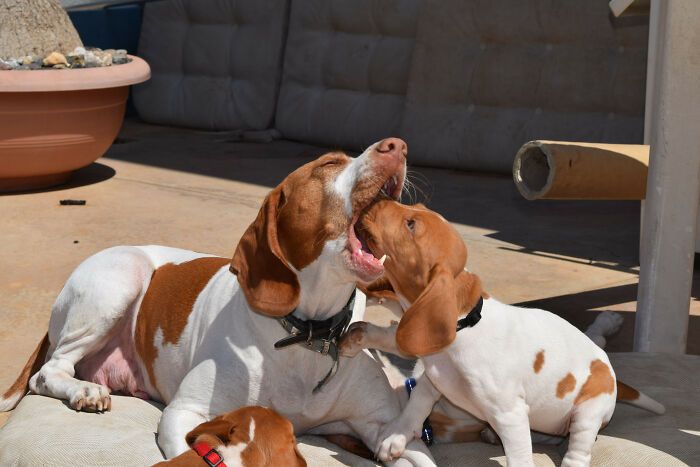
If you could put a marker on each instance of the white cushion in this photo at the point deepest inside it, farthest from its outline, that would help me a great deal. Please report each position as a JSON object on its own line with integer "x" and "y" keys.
{"x": 45, "y": 431}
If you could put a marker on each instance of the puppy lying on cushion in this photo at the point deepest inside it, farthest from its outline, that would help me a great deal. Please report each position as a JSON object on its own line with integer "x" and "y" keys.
{"x": 516, "y": 368}
{"x": 247, "y": 437}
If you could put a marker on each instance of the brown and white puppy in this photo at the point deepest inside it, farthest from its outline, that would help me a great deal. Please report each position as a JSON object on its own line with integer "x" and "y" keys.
{"x": 248, "y": 437}
{"x": 197, "y": 332}
{"x": 515, "y": 368}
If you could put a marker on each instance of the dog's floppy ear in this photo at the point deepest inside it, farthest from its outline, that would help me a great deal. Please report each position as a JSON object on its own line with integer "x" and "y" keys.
{"x": 430, "y": 324}
{"x": 269, "y": 283}
{"x": 218, "y": 427}
{"x": 381, "y": 288}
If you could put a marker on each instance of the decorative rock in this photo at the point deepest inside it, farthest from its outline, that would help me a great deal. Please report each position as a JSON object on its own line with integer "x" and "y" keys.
{"x": 107, "y": 60}
{"x": 92, "y": 60}
{"x": 55, "y": 58}
{"x": 76, "y": 61}
{"x": 76, "y": 58}
{"x": 80, "y": 57}
{"x": 120, "y": 57}
{"x": 26, "y": 60}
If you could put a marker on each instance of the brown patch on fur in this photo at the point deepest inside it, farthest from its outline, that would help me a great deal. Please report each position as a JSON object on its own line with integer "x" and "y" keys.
{"x": 600, "y": 381}
{"x": 566, "y": 385}
{"x": 626, "y": 393}
{"x": 311, "y": 214}
{"x": 168, "y": 303}
{"x": 539, "y": 361}
{"x": 351, "y": 444}
{"x": 290, "y": 230}
{"x": 603, "y": 425}
{"x": 441, "y": 423}
{"x": 34, "y": 364}
{"x": 448, "y": 430}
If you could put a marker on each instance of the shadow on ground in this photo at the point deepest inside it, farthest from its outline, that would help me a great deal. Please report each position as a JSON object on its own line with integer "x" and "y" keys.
{"x": 93, "y": 173}
{"x": 603, "y": 232}
{"x": 581, "y": 309}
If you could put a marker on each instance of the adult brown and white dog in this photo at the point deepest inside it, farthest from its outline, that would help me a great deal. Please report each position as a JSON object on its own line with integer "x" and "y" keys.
{"x": 515, "y": 368}
{"x": 197, "y": 332}
{"x": 248, "y": 437}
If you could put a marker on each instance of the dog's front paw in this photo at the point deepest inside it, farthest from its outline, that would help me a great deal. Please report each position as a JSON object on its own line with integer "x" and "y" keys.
{"x": 91, "y": 397}
{"x": 392, "y": 447}
{"x": 353, "y": 341}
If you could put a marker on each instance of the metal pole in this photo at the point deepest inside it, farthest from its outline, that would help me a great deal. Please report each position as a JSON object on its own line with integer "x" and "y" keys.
{"x": 673, "y": 184}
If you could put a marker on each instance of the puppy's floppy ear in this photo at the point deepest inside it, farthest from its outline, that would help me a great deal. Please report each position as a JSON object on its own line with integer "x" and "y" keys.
{"x": 218, "y": 427}
{"x": 430, "y": 324}
{"x": 381, "y": 288}
{"x": 268, "y": 282}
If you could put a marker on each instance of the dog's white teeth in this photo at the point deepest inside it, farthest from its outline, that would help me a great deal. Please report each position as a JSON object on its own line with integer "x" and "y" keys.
{"x": 382, "y": 259}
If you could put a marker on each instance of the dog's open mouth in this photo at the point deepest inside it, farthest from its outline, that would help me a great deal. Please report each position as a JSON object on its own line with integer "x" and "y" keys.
{"x": 364, "y": 262}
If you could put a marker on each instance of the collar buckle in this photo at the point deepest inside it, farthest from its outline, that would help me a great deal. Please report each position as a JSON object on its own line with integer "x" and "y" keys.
{"x": 209, "y": 455}
{"x": 213, "y": 463}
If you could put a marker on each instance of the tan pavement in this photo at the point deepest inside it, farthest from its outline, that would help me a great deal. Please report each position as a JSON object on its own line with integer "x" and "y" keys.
{"x": 200, "y": 190}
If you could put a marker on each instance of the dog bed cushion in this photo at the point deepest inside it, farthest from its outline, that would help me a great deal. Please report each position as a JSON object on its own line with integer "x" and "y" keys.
{"x": 45, "y": 431}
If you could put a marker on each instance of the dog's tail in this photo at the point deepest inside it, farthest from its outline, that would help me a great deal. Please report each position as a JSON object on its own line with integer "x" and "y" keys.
{"x": 19, "y": 388}
{"x": 628, "y": 395}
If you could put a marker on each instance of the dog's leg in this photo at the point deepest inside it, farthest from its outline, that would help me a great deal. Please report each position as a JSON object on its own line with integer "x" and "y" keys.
{"x": 366, "y": 416}
{"x": 174, "y": 424}
{"x": 396, "y": 435}
{"x": 582, "y": 435}
{"x": 362, "y": 335}
{"x": 513, "y": 427}
{"x": 96, "y": 297}
{"x": 586, "y": 420}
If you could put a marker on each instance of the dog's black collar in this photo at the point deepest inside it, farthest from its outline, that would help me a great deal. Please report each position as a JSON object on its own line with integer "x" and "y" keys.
{"x": 318, "y": 336}
{"x": 472, "y": 317}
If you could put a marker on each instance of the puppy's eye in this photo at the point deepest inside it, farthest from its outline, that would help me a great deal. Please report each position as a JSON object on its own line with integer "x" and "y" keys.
{"x": 411, "y": 224}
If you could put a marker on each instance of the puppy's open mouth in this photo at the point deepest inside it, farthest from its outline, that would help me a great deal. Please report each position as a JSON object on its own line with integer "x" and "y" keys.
{"x": 365, "y": 263}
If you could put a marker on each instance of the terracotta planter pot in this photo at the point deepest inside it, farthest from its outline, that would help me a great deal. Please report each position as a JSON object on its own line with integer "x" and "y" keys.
{"x": 53, "y": 122}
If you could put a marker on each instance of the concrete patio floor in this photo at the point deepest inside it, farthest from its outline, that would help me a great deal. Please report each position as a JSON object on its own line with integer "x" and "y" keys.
{"x": 199, "y": 191}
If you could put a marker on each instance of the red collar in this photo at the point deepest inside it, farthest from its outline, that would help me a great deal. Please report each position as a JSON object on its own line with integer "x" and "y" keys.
{"x": 210, "y": 455}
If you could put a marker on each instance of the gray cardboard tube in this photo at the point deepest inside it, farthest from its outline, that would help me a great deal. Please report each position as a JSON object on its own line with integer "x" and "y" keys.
{"x": 569, "y": 170}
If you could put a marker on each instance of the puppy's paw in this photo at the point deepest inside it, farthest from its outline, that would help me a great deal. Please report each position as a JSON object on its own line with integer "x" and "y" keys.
{"x": 353, "y": 341}
{"x": 392, "y": 447}
{"x": 91, "y": 397}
